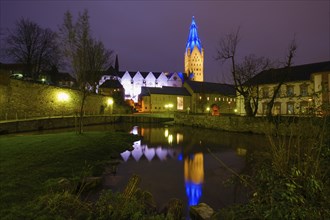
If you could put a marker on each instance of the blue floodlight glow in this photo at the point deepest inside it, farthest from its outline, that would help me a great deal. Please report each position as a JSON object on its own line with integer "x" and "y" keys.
{"x": 193, "y": 39}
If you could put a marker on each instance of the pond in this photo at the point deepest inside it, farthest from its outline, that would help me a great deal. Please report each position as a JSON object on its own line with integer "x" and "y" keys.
{"x": 183, "y": 162}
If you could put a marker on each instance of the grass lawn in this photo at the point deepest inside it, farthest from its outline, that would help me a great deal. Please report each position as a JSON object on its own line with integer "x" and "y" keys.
{"x": 27, "y": 162}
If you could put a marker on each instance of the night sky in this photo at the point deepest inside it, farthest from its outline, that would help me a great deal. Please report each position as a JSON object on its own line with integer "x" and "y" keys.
{"x": 152, "y": 35}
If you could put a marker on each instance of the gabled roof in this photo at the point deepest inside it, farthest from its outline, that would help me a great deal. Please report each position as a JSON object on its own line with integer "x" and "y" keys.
{"x": 111, "y": 84}
{"x": 63, "y": 76}
{"x": 211, "y": 88}
{"x": 193, "y": 39}
{"x": 289, "y": 74}
{"x": 165, "y": 90}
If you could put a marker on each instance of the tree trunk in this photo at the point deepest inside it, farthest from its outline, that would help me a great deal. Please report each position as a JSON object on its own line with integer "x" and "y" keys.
{"x": 81, "y": 113}
{"x": 247, "y": 106}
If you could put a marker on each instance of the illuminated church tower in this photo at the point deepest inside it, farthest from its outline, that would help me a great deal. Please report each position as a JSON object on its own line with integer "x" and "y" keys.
{"x": 194, "y": 55}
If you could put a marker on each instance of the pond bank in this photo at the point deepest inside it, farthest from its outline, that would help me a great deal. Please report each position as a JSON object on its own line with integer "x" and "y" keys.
{"x": 255, "y": 125}
{"x": 48, "y": 123}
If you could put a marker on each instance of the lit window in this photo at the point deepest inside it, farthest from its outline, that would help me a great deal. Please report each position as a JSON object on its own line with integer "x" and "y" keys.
{"x": 179, "y": 103}
{"x": 208, "y": 98}
{"x": 290, "y": 108}
{"x": 215, "y": 99}
{"x": 200, "y": 97}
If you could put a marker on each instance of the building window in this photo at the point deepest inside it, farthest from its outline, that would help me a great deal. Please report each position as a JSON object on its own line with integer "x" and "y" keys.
{"x": 304, "y": 90}
{"x": 200, "y": 97}
{"x": 289, "y": 91}
{"x": 304, "y": 107}
{"x": 179, "y": 103}
{"x": 264, "y": 108}
{"x": 215, "y": 99}
{"x": 277, "y": 108}
{"x": 265, "y": 92}
{"x": 278, "y": 92}
{"x": 290, "y": 108}
{"x": 208, "y": 98}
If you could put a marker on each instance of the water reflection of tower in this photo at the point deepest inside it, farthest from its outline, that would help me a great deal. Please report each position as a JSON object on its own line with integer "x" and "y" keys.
{"x": 194, "y": 177}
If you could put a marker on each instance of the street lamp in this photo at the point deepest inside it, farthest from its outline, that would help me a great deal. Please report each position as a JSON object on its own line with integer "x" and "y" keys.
{"x": 208, "y": 110}
{"x": 63, "y": 97}
{"x": 110, "y": 104}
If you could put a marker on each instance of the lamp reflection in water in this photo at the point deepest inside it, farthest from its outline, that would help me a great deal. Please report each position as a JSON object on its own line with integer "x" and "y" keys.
{"x": 194, "y": 177}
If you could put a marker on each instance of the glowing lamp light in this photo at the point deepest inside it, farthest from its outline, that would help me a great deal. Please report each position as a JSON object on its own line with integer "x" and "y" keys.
{"x": 235, "y": 110}
{"x": 207, "y": 109}
{"x": 63, "y": 97}
{"x": 110, "y": 101}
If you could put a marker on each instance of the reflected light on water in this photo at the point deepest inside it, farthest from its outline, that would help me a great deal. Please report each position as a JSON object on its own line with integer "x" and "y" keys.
{"x": 135, "y": 130}
{"x": 241, "y": 151}
{"x": 125, "y": 155}
{"x": 170, "y": 139}
{"x": 166, "y": 132}
{"x": 194, "y": 177}
{"x": 149, "y": 153}
{"x": 193, "y": 164}
{"x": 179, "y": 138}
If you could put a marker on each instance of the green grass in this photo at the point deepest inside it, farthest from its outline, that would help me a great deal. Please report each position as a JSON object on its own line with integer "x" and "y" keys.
{"x": 27, "y": 162}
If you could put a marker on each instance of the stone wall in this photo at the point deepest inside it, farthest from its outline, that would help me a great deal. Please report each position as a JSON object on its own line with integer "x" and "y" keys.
{"x": 23, "y": 99}
{"x": 256, "y": 125}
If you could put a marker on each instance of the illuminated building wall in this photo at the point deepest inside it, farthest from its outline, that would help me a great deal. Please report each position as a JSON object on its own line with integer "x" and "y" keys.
{"x": 194, "y": 54}
{"x": 133, "y": 81}
{"x": 24, "y": 99}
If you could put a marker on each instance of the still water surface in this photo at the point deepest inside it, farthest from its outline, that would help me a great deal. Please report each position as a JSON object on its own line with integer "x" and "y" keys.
{"x": 175, "y": 162}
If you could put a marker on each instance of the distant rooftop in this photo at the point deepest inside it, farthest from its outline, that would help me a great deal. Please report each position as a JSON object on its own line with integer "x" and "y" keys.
{"x": 291, "y": 74}
{"x": 212, "y": 88}
{"x": 165, "y": 90}
{"x": 111, "y": 84}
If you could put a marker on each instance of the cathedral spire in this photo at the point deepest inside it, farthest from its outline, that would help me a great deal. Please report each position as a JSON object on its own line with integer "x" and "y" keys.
{"x": 193, "y": 39}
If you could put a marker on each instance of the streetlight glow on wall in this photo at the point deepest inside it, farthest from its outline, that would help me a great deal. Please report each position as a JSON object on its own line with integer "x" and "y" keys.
{"x": 63, "y": 97}
{"x": 110, "y": 101}
{"x": 110, "y": 104}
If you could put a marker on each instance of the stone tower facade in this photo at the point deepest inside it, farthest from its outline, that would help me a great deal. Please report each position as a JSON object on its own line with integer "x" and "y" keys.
{"x": 194, "y": 55}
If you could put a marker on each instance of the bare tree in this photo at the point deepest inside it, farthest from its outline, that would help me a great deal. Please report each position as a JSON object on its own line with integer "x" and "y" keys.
{"x": 86, "y": 56}
{"x": 245, "y": 71}
{"x": 288, "y": 63}
{"x": 33, "y": 46}
{"x": 242, "y": 72}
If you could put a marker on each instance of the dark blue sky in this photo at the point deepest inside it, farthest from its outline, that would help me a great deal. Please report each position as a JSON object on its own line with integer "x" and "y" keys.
{"x": 152, "y": 35}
